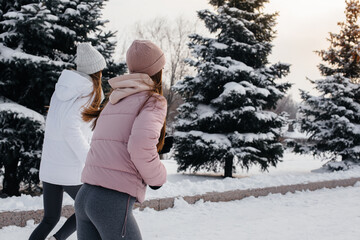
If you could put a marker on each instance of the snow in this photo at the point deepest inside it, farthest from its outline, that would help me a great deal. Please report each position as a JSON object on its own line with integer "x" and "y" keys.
{"x": 204, "y": 111}
{"x": 220, "y": 68}
{"x": 294, "y": 169}
{"x": 11, "y": 22}
{"x": 355, "y": 128}
{"x": 233, "y": 86}
{"x": 83, "y": 7}
{"x": 296, "y": 134}
{"x": 355, "y": 149}
{"x": 30, "y": 7}
{"x": 266, "y": 115}
{"x": 5, "y": 35}
{"x": 229, "y": 88}
{"x": 71, "y": 12}
{"x": 275, "y": 90}
{"x": 262, "y": 91}
{"x": 248, "y": 109}
{"x": 235, "y": 65}
{"x": 9, "y": 54}
{"x": 64, "y": 29}
{"x": 14, "y": 15}
{"x": 23, "y": 111}
{"x": 214, "y": 139}
{"x": 321, "y": 215}
{"x": 251, "y": 137}
{"x": 227, "y": 65}
{"x": 51, "y": 17}
{"x": 219, "y": 45}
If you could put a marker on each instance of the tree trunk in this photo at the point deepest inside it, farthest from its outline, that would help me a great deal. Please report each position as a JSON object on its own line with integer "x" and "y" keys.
{"x": 228, "y": 167}
{"x": 11, "y": 183}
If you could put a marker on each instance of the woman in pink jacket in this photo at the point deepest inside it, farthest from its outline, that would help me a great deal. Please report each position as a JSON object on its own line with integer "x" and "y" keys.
{"x": 123, "y": 158}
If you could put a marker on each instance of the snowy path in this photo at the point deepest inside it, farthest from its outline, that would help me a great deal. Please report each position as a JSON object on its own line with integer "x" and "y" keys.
{"x": 295, "y": 169}
{"x": 320, "y": 215}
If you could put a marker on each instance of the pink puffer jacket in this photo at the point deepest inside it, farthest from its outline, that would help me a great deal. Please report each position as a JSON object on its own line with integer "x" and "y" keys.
{"x": 123, "y": 154}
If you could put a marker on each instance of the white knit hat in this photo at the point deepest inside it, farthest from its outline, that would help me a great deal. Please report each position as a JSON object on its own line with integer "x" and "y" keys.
{"x": 88, "y": 59}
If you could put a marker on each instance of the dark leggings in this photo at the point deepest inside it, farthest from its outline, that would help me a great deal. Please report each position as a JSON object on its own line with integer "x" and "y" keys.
{"x": 105, "y": 214}
{"x": 53, "y": 197}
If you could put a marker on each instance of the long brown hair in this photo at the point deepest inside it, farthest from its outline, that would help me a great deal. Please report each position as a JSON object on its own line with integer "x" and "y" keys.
{"x": 157, "y": 79}
{"x": 157, "y": 88}
{"x": 91, "y": 111}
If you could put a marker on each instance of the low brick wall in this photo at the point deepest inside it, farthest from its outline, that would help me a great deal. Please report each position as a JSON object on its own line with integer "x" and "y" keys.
{"x": 20, "y": 218}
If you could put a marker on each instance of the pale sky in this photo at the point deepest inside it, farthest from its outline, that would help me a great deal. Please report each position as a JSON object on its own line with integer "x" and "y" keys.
{"x": 303, "y": 27}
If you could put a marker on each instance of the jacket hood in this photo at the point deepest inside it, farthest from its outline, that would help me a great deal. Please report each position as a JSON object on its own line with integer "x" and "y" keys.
{"x": 73, "y": 84}
{"x": 129, "y": 84}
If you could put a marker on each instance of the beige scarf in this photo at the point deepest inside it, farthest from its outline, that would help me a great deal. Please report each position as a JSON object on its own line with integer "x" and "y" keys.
{"x": 129, "y": 84}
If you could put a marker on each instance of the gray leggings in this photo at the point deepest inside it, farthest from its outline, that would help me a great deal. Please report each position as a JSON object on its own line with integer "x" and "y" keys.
{"x": 105, "y": 214}
{"x": 53, "y": 197}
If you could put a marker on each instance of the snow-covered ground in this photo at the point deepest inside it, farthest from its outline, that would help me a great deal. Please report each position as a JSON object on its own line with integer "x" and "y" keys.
{"x": 294, "y": 169}
{"x": 321, "y": 215}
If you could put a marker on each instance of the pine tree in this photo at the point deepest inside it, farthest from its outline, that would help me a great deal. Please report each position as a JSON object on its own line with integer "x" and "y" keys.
{"x": 39, "y": 39}
{"x": 343, "y": 53}
{"x": 333, "y": 118}
{"x": 80, "y": 21}
{"x": 28, "y": 73}
{"x": 225, "y": 119}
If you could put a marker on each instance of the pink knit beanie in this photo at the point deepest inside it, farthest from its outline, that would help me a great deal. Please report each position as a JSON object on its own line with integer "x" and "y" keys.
{"x": 144, "y": 56}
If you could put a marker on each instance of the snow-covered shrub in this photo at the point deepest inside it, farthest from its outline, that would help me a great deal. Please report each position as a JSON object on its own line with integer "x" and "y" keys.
{"x": 21, "y": 138}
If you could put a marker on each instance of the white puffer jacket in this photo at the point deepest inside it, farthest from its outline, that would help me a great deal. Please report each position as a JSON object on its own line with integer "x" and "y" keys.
{"x": 67, "y": 136}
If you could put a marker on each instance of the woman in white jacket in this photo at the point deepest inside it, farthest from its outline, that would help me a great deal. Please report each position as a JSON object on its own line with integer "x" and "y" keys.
{"x": 67, "y": 137}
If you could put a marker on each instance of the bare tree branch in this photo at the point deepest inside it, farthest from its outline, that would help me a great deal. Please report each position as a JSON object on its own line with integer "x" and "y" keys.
{"x": 171, "y": 37}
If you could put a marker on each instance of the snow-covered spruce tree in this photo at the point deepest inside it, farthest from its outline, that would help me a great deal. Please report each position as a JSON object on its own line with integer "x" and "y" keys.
{"x": 48, "y": 30}
{"x": 80, "y": 21}
{"x": 27, "y": 77}
{"x": 225, "y": 119}
{"x": 333, "y": 118}
{"x": 21, "y": 137}
{"x": 28, "y": 73}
